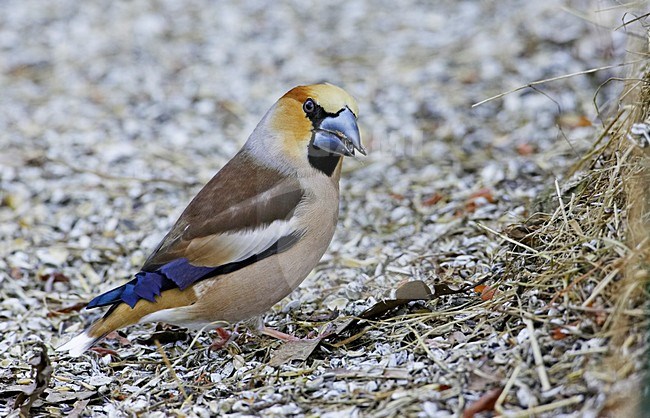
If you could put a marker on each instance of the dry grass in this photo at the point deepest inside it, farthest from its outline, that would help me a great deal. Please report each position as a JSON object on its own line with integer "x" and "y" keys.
{"x": 571, "y": 299}
{"x": 581, "y": 270}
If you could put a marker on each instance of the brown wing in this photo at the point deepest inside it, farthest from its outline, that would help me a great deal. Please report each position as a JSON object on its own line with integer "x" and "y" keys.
{"x": 241, "y": 198}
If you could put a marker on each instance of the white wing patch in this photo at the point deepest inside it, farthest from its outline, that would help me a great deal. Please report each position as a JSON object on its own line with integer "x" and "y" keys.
{"x": 220, "y": 249}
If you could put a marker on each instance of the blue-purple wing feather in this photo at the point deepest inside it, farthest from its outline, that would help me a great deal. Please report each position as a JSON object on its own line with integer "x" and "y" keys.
{"x": 149, "y": 284}
{"x": 180, "y": 274}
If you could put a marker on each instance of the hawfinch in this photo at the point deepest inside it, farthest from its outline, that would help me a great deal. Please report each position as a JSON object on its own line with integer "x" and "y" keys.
{"x": 254, "y": 232}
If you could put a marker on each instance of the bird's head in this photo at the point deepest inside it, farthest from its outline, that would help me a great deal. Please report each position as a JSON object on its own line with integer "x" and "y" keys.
{"x": 314, "y": 125}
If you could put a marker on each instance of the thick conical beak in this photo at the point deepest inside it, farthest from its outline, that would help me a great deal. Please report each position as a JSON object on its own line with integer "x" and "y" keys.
{"x": 339, "y": 134}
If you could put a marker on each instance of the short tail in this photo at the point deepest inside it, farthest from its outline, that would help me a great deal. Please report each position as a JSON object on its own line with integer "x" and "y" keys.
{"x": 118, "y": 316}
{"x": 121, "y": 315}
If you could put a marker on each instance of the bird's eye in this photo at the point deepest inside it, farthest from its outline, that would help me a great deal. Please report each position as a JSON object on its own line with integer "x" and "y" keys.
{"x": 309, "y": 106}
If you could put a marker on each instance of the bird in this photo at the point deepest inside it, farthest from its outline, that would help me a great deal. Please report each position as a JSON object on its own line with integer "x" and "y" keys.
{"x": 253, "y": 233}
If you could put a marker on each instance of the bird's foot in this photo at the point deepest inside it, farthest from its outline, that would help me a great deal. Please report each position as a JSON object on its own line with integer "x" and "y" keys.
{"x": 223, "y": 340}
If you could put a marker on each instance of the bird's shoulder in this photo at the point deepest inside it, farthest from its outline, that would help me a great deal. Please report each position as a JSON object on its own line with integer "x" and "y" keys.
{"x": 244, "y": 196}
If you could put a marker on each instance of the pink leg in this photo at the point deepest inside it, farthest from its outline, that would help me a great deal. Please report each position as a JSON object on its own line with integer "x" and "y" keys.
{"x": 277, "y": 334}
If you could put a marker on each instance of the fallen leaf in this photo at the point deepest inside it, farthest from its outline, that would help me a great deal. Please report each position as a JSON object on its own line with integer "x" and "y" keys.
{"x": 41, "y": 373}
{"x": 487, "y": 377}
{"x": 382, "y": 307}
{"x": 469, "y": 207}
{"x": 117, "y": 337}
{"x": 54, "y": 277}
{"x": 484, "y": 404}
{"x": 58, "y": 397}
{"x": 486, "y": 292}
{"x": 294, "y": 350}
{"x": 559, "y": 333}
{"x": 78, "y": 408}
{"x": 413, "y": 290}
{"x": 408, "y": 292}
{"x": 484, "y": 193}
{"x": 444, "y": 290}
{"x": 525, "y": 149}
{"x": 478, "y": 199}
{"x": 11, "y": 390}
{"x": 104, "y": 351}
{"x": 339, "y": 325}
{"x": 68, "y": 309}
{"x": 433, "y": 199}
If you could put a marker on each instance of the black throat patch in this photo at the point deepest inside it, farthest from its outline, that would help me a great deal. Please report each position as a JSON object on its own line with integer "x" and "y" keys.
{"x": 322, "y": 161}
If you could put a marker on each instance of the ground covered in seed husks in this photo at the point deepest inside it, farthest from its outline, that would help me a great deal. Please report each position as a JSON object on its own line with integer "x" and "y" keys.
{"x": 488, "y": 260}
